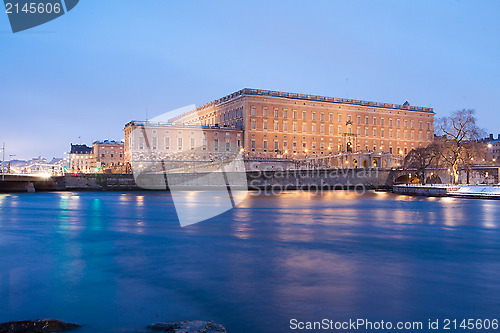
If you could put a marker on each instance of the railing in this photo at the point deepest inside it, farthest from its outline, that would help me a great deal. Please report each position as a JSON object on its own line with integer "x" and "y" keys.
{"x": 324, "y": 98}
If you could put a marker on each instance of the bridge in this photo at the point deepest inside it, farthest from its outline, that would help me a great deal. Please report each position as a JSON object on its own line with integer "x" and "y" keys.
{"x": 29, "y": 183}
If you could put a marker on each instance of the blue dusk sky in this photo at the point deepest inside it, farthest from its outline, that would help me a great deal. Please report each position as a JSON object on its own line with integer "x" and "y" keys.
{"x": 84, "y": 75}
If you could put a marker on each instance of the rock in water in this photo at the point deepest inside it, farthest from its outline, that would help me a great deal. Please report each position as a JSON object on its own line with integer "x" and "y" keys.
{"x": 36, "y": 326}
{"x": 195, "y": 326}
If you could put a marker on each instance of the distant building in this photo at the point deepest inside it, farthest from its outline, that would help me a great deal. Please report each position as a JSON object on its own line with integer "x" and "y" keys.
{"x": 492, "y": 147}
{"x": 81, "y": 159}
{"x": 103, "y": 157}
{"x": 109, "y": 156}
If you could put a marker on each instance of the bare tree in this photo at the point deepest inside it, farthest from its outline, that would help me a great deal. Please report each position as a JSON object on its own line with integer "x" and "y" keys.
{"x": 473, "y": 154}
{"x": 421, "y": 159}
{"x": 458, "y": 132}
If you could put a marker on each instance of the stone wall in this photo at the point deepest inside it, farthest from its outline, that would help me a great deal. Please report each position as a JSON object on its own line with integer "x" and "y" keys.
{"x": 275, "y": 179}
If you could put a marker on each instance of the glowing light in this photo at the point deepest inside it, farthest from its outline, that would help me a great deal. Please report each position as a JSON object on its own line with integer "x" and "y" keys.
{"x": 305, "y": 150}
{"x": 490, "y": 145}
{"x": 44, "y": 175}
{"x": 242, "y": 149}
{"x": 286, "y": 151}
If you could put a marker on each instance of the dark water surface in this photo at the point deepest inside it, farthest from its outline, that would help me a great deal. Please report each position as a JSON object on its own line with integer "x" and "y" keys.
{"x": 116, "y": 262}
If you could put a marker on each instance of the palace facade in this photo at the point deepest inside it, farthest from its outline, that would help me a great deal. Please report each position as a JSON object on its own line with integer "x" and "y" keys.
{"x": 272, "y": 124}
{"x": 280, "y": 123}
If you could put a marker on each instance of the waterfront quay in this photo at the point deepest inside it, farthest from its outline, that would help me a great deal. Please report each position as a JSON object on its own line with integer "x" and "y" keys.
{"x": 280, "y": 180}
{"x": 458, "y": 191}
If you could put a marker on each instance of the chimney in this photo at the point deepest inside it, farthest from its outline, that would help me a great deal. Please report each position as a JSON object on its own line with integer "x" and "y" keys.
{"x": 491, "y": 137}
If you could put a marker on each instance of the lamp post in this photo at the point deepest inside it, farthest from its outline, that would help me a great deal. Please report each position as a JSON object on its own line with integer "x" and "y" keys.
{"x": 10, "y": 161}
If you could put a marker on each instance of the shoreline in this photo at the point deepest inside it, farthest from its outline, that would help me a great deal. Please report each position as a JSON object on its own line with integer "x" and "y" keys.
{"x": 491, "y": 192}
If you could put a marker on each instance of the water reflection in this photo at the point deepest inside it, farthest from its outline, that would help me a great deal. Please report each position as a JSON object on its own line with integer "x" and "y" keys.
{"x": 120, "y": 261}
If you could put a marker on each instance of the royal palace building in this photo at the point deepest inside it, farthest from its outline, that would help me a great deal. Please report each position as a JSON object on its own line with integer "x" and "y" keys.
{"x": 265, "y": 123}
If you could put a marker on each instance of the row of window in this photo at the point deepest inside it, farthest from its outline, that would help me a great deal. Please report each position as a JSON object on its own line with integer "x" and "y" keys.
{"x": 375, "y": 120}
{"x": 168, "y": 143}
{"x": 112, "y": 155}
{"x": 375, "y": 131}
